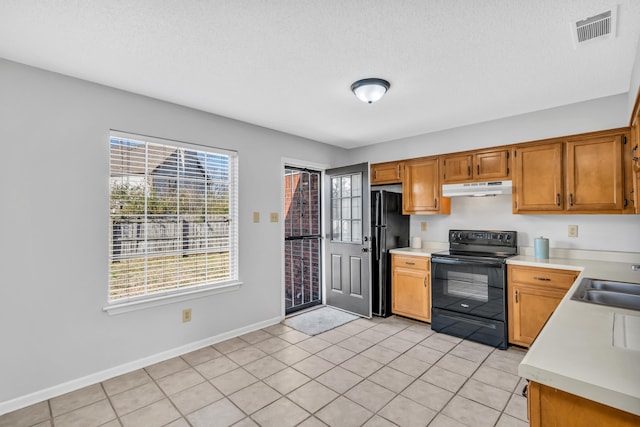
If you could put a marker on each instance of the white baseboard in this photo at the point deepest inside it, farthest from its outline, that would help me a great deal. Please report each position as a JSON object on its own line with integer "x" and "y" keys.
{"x": 60, "y": 389}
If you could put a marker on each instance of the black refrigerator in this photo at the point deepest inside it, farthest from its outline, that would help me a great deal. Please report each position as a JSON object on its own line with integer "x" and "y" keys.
{"x": 389, "y": 229}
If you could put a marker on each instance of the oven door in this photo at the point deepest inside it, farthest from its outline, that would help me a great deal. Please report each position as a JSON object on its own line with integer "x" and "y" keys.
{"x": 470, "y": 286}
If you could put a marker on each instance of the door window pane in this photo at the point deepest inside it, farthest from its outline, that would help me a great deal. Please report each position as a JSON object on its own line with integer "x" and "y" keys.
{"x": 335, "y": 188}
{"x": 356, "y": 231}
{"x": 346, "y": 186}
{"x": 346, "y": 206}
{"x": 356, "y": 209}
{"x": 356, "y": 185}
{"x": 346, "y": 230}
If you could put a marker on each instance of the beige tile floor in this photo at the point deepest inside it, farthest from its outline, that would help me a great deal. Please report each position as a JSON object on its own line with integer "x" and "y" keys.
{"x": 379, "y": 372}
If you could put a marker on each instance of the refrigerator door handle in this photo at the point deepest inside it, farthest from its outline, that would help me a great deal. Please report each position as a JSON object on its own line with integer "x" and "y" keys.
{"x": 377, "y": 216}
{"x": 382, "y": 242}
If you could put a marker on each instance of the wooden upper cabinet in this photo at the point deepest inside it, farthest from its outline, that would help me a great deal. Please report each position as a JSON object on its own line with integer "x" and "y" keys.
{"x": 421, "y": 188}
{"x": 386, "y": 173}
{"x": 491, "y": 165}
{"x": 457, "y": 168}
{"x": 537, "y": 183}
{"x": 477, "y": 166}
{"x": 594, "y": 174}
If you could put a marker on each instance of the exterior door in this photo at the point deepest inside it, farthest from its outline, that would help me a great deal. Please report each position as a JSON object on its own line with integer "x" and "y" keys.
{"x": 302, "y": 239}
{"x": 348, "y": 284}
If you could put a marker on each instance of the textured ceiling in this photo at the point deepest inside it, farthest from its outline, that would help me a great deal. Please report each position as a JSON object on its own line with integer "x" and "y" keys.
{"x": 288, "y": 65}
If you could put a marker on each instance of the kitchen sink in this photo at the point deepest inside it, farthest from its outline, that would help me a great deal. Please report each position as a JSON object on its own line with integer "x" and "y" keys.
{"x": 607, "y": 292}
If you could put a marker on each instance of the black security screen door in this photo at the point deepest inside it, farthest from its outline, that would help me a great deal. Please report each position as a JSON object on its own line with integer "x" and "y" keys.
{"x": 302, "y": 239}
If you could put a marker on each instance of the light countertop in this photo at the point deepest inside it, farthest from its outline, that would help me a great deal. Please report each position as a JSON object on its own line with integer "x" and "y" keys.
{"x": 427, "y": 249}
{"x": 574, "y": 352}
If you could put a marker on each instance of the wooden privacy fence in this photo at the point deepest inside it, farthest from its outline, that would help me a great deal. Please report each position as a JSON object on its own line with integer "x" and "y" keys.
{"x": 131, "y": 238}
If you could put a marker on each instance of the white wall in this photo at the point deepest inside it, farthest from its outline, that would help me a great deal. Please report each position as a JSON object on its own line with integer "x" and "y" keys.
{"x": 596, "y": 232}
{"x": 599, "y": 114}
{"x": 54, "y": 229}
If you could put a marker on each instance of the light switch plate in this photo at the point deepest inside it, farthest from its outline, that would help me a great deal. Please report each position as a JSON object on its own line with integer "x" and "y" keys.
{"x": 423, "y": 226}
{"x": 256, "y": 217}
{"x": 274, "y": 216}
{"x": 572, "y": 231}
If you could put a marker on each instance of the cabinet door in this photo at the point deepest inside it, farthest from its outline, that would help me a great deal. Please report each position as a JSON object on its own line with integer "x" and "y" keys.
{"x": 457, "y": 168}
{"x": 538, "y": 178}
{"x": 529, "y": 308}
{"x": 594, "y": 174}
{"x": 635, "y": 161}
{"x": 491, "y": 165}
{"x": 411, "y": 290}
{"x": 386, "y": 173}
{"x": 421, "y": 188}
{"x": 550, "y": 406}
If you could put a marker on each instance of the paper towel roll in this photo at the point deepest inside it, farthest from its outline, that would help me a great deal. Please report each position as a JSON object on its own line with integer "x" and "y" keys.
{"x": 416, "y": 242}
{"x": 541, "y": 248}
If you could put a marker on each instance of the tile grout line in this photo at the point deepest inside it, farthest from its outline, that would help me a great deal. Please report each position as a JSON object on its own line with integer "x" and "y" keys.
{"x": 404, "y": 325}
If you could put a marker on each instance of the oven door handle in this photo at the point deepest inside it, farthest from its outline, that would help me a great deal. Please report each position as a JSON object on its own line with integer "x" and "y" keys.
{"x": 487, "y": 263}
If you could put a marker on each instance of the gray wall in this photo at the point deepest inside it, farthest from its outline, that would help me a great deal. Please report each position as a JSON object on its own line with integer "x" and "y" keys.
{"x": 634, "y": 86}
{"x": 54, "y": 231}
{"x": 595, "y": 232}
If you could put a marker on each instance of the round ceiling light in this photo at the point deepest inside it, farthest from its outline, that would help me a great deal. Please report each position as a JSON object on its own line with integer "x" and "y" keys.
{"x": 370, "y": 90}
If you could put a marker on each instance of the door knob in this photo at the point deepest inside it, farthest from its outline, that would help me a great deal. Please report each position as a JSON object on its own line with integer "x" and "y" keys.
{"x": 365, "y": 249}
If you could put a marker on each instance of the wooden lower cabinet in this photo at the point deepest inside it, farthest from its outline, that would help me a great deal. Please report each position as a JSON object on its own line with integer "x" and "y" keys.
{"x": 534, "y": 293}
{"x": 549, "y": 406}
{"x": 411, "y": 286}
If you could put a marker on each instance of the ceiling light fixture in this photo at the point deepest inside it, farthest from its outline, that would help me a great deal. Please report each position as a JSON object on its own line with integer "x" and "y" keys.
{"x": 370, "y": 90}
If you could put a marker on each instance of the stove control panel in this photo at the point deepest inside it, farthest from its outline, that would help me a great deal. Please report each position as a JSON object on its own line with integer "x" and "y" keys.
{"x": 486, "y": 237}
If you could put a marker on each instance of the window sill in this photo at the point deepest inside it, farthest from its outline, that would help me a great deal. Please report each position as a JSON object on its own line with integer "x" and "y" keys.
{"x": 125, "y": 307}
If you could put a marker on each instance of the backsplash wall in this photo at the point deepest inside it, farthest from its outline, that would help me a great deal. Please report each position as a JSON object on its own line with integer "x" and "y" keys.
{"x": 595, "y": 232}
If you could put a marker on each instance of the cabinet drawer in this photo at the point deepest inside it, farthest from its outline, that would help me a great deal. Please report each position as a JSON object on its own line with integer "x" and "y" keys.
{"x": 562, "y": 279}
{"x": 417, "y": 262}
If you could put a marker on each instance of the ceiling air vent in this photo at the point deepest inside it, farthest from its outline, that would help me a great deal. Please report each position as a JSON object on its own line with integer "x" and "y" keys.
{"x": 597, "y": 27}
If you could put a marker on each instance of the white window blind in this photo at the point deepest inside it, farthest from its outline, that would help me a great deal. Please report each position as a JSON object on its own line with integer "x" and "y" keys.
{"x": 173, "y": 217}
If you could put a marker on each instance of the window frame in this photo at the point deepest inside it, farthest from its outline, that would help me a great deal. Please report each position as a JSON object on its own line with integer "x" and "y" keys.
{"x": 197, "y": 290}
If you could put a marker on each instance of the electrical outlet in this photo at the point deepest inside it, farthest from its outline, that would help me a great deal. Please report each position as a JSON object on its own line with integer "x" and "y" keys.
{"x": 186, "y": 315}
{"x": 274, "y": 216}
{"x": 256, "y": 217}
{"x": 423, "y": 226}
{"x": 572, "y": 231}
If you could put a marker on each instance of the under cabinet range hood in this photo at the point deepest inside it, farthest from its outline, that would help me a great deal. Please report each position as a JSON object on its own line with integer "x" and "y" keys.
{"x": 490, "y": 188}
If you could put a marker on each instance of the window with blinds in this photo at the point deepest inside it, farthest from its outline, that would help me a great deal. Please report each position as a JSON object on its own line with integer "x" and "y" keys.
{"x": 173, "y": 218}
